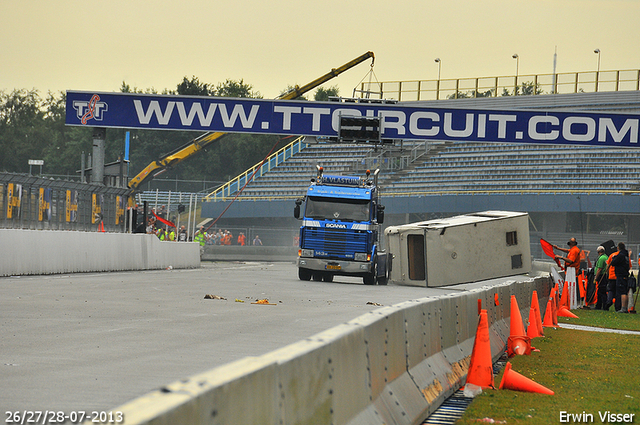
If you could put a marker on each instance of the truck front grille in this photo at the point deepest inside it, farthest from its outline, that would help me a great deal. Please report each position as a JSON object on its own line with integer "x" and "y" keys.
{"x": 335, "y": 242}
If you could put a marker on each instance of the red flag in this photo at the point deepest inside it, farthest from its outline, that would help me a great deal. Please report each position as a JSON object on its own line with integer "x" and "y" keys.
{"x": 548, "y": 249}
{"x": 162, "y": 220}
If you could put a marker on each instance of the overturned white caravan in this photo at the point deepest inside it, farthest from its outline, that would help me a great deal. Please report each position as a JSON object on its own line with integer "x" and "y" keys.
{"x": 460, "y": 249}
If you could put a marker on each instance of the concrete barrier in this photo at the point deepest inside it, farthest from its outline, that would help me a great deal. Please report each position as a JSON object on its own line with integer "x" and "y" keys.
{"x": 250, "y": 253}
{"x": 30, "y": 252}
{"x": 395, "y": 365}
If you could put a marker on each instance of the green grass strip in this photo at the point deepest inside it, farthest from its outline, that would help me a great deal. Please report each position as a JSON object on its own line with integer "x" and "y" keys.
{"x": 591, "y": 373}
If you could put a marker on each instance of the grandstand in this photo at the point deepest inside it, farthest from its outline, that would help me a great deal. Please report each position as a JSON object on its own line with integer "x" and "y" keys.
{"x": 461, "y": 167}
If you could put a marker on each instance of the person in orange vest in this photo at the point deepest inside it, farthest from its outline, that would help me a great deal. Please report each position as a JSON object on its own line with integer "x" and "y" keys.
{"x": 573, "y": 255}
{"x": 241, "y": 239}
{"x": 226, "y": 239}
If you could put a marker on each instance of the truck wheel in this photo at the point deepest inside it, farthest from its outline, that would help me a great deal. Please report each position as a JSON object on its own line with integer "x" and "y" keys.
{"x": 328, "y": 277}
{"x": 317, "y": 277}
{"x": 370, "y": 278}
{"x": 304, "y": 274}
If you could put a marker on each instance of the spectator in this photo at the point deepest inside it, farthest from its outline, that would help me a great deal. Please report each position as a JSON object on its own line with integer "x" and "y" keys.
{"x": 257, "y": 241}
{"x": 241, "y": 239}
{"x": 162, "y": 234}
{"x": 226, "y": 238}
{"x": 200, "y": 236}
{"x": 172, "y": 234}
{"x": 601, "y": 279}
{"x": 182, "y": 235}
{"x": 622, "y": 264}
{"x": 150, "y": 225}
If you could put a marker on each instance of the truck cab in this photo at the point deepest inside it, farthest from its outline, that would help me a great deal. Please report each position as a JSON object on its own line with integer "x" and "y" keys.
{"x": 340, "y": 230}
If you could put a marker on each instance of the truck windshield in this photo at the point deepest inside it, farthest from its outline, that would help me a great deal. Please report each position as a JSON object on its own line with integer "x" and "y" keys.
{"x": 337, "y": 209}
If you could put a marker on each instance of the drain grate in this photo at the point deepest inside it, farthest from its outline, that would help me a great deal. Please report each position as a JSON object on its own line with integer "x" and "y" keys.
{"x": 450, "y": 411}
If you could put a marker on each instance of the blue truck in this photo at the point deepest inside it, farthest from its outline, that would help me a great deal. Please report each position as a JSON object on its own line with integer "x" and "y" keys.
{"x": 340, "y": 232}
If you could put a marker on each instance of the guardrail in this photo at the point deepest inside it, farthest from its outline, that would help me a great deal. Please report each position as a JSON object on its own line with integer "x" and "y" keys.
{"x": 237, "y": 183}
{"x": 528, "y": 84}
{"x": 392, "y": 194}
{"x": 395, "y": 365}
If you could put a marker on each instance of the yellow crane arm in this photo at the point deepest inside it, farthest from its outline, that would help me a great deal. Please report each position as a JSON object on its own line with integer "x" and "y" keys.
{"x": 197, "y": 144}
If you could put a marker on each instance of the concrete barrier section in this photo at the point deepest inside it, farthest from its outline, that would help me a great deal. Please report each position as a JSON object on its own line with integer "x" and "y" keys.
{"x": 394, "y": 365}
{"x": 250, "y": 253}
{"x": 242, "y": 392}
{"x": 31, "y": 252}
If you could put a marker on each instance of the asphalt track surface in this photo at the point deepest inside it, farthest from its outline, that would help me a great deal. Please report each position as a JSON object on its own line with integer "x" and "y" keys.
{"x": 94, "y": 341}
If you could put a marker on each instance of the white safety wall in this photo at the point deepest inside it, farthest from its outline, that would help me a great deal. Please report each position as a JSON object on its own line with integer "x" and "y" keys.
{"x": 29, "y": 252}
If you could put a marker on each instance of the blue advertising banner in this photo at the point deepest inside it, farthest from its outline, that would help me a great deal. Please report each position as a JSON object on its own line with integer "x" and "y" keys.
{"x": 399, "y": 121}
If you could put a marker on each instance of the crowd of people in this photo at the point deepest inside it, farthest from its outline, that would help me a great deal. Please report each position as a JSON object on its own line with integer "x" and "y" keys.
{"x": 610, "y": 282}
{"x": 215, "y": 237}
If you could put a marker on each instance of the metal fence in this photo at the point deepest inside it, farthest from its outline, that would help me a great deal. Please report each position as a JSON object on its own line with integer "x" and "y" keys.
{"x": 533, "y": 84}
{"x": 28, "y": 202}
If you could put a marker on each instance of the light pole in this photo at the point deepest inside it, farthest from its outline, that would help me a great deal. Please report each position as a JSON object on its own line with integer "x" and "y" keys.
{"x": 439, "y": 62}
{"x": 597, "y": 52}
{"x": 515, "y": 87}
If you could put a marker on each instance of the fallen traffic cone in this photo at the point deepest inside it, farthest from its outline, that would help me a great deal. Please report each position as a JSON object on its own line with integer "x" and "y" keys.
{"x": 481, "y": 367}
{"x": 548, "y": 316}
{"x": 518, "y": 342}
{"x": 564, "y": 312}
{"x": 512, "y": 380}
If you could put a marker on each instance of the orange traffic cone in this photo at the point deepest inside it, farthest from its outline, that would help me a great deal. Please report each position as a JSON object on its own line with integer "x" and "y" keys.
{"x": 556, "y": 303}
{"x": 564, "y": 300}
{"x": 564, "y": 312}
{"x": 512, "y": 380}
{"x": 481, "y": 367}
{"x": 518, "y": 342}
{"x": 534, "y": 330}
{"x": 102, "y": 226}
{"x": 548, "y": 316}
{"x": 582, "y": 280}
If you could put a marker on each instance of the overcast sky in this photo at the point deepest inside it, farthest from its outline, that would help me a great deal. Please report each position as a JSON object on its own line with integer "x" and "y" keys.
{"x": 96, "y": 45}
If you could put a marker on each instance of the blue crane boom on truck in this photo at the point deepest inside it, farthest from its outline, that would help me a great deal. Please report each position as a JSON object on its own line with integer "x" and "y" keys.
{"x": 340, "y": 230}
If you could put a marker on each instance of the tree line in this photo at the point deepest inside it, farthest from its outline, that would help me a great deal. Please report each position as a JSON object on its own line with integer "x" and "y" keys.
{"x": 33, "y": 127}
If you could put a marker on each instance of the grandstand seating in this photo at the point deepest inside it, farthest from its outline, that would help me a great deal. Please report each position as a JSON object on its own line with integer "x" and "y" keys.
{"x": 465, "y": 167}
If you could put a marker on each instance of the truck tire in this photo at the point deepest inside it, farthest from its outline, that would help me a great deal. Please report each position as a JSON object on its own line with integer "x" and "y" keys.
{"x": 304, "y": 274}
{"x": 370, "y": 278}
{"x": 317, "y": 277}
{"x": 327, "y": 277}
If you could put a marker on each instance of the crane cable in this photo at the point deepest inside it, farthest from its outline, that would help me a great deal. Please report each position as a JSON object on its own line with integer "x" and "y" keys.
{"x": 248, "y": 181}
{"x": 371, "y": 74}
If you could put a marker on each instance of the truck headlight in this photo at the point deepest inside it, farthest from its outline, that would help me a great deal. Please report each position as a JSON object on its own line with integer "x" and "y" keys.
{"x": 306, "y": 253}
{"x": 360, "y": 256}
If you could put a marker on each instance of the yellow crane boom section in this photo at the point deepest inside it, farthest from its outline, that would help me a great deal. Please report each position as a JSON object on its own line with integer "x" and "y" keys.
{"x": 206, "y": 139}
